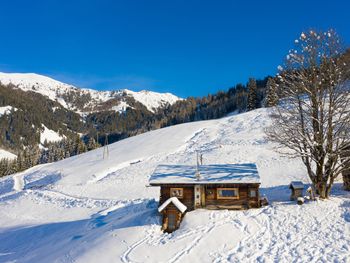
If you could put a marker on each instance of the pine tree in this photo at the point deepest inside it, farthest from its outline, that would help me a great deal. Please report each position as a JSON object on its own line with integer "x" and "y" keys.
{"x": 271, "y": 93}
{"x": 92, "y": 144}
{"x": 252, "y": 95}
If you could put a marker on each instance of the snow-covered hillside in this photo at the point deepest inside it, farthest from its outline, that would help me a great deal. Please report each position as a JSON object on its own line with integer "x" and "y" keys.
{"x": 6, "y": 155}
{"x": 48, "y": 135}
{"x": 6, "y": 110}
{"x": 152, "y": 100}
{"x": 88, "y": 209}
{"x": 59, "y": 91}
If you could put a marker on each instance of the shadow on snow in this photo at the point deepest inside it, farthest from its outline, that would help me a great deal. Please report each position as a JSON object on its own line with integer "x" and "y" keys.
{"x": 53, "y": 240}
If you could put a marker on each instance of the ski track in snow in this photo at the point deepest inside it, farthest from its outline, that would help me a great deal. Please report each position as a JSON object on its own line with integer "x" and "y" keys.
{"x": 109, "y": 213}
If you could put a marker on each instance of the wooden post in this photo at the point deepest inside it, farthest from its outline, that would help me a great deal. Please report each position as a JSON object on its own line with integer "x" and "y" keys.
{"x": 197, "y": 196}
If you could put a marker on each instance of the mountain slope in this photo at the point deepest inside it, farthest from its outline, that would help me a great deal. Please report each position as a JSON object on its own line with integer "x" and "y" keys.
{"x": 30, "y": 102}
{"x": 87, "y": 208}
{"x": 82, "y": 100}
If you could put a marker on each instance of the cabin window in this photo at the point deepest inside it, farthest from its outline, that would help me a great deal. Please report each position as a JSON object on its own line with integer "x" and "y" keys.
{"x": 227, "y": 193}
{"x": 176, "y": 192}
{"x": 252, "y": 193}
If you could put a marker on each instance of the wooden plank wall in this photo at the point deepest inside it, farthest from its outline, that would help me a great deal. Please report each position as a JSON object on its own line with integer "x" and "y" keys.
{"x": 188, "y": 195}
{"x": 210, "y": 192}
{"x": 243, "y": 200}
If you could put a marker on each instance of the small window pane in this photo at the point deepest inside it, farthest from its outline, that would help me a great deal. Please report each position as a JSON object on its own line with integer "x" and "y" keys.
{"x": 176, "y": 192}
{"x": 228, "y": 193}
{"x": 252, "y": 193}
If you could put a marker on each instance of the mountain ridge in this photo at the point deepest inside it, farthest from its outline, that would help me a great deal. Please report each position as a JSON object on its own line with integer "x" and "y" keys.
{"x": 83, "y": 100}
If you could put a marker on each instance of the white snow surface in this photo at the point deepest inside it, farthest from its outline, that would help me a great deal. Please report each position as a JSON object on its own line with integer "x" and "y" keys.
{"x": 54, "y": 90}
{"x": 245, "y": 173}
{"x": 6, "y": 155}
{"x": 6, "y": 110}
{"x": 153, "y": 100}
{"x": 121, "y": 107}
{"x": 89, "y": 209}
{"x": 182, "y": 208}
{"x": 49, "y": 135}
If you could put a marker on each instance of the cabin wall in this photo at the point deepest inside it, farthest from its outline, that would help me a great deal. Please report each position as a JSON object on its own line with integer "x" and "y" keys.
{"x": 244, "y": 199}
{"x": 187, "y": 199}
{"x": 209, "y": 196}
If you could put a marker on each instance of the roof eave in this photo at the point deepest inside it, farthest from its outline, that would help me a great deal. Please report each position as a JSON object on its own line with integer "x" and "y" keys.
{"x": 196, "y": 183}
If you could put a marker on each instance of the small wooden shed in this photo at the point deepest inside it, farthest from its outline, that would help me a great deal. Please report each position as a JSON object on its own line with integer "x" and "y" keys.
{"x": 297, "y": 188}
{"x": 172, "y": 211}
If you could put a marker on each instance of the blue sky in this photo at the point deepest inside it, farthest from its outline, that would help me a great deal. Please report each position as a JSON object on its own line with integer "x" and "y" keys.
{"x": 190, "y": 48}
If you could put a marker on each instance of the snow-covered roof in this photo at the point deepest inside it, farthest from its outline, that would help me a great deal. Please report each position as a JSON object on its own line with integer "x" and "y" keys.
{"x": 297, "y": 184}
{"x": 176, "y": 202}
{"x": 209, "y": 174}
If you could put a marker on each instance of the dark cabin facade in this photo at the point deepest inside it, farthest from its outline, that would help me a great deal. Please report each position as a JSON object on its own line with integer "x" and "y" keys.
{"x": 227, "y": 186}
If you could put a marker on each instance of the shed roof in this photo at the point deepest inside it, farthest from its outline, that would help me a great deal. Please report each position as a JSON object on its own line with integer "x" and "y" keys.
{"x": 176, "y": 202}
{"x": 209, "y": 174}
{"x": 296, "y": 185}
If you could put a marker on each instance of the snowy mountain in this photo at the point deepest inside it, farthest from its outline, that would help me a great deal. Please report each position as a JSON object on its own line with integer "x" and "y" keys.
{"x": 84, "y": 100}
{"x": 88, "y": 208}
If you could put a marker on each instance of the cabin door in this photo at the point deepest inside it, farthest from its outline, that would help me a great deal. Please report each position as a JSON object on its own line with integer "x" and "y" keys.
{"x": 171, "y": 221}
{"x": 199, "y": 201}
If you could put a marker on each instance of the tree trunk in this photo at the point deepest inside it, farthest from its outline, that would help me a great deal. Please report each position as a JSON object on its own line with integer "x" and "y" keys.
{"x": 346, "y": 180}
{"x": 321, "y": 189}
{"x": 328, "y": 190}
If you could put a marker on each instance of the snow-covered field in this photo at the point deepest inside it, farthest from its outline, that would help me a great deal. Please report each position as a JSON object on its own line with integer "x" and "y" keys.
{"x": 90, "y": 209}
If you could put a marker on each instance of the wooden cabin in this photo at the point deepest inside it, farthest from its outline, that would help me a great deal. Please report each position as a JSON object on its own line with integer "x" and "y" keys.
{"x": 219, "y": 186}
{"x": 297, "y": 188}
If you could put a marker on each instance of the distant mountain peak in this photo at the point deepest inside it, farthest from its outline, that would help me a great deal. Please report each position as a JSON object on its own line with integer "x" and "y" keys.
{"x": 84, "y": 100}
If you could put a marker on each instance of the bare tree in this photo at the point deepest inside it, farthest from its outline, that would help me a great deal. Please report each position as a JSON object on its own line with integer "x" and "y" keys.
{"x": 312, "y": 119}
